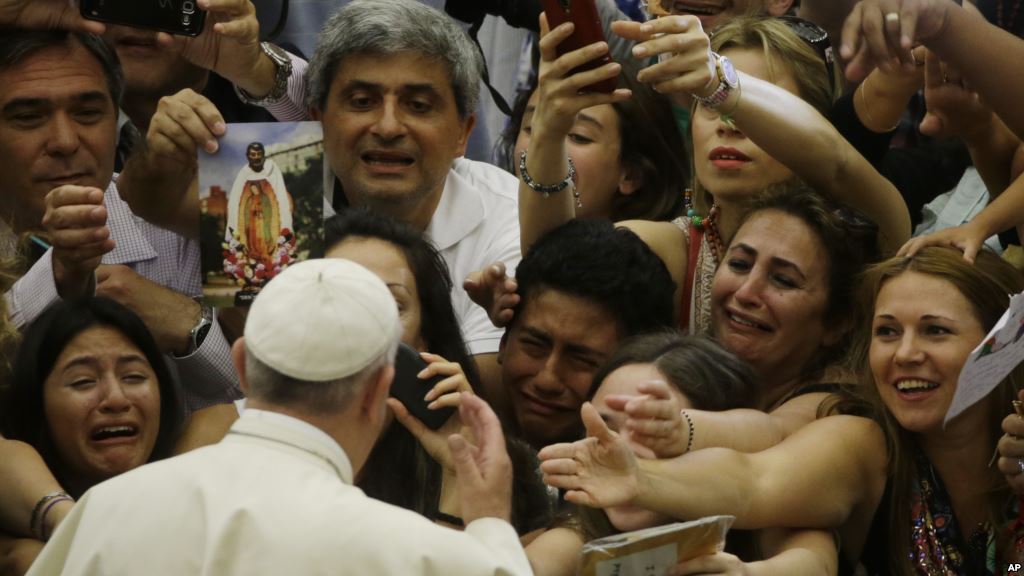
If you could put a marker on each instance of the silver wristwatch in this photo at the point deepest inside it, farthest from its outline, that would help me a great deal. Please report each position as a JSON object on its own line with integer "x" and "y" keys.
{"x": 283, "y": 65}
{"x": 198, "y": 332}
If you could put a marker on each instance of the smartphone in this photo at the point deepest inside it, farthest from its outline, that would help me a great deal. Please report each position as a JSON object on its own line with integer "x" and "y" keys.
{"x": 587, "y": 30}
{"x": 180, "y": 17}
{"x": 410, "y": 390}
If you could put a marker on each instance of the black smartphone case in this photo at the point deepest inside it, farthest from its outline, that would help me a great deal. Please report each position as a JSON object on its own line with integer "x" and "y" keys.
{"x": 180, "y": 17}
{"x": 410, "y": 390}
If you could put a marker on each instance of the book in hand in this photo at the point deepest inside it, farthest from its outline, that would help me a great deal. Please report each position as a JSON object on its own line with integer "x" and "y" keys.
{"x": 652, "y": 551}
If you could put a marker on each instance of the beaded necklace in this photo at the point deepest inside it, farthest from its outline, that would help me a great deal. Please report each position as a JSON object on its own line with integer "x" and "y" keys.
{"x": 935, "y": 532}
{"x": 709, "y": 225}
{"x": 1008, "y": 26}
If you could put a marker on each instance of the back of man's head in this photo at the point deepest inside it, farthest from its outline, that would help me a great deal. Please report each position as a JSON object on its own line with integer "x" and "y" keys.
{"x": 317, "y": 333}
{"x": 16, "y": 45}
{"x": 609, "y": 266}
{"x": 386, "y": 27}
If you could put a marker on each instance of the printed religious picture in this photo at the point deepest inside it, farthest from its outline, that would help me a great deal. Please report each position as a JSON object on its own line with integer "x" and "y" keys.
{"x": 261, "y": 207}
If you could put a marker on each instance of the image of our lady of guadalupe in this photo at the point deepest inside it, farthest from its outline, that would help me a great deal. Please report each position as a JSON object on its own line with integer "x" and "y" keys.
{"x": 259, "y": 220}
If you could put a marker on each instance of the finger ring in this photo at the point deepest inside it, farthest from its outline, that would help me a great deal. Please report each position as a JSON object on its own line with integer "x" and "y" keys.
{"x": 1020, "y": 465}
{"x": 892, "y": 17}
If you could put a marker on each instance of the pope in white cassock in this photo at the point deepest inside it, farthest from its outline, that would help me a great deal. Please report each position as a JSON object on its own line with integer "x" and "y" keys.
{"x": 259, "y": 206}
{"x": 276, "y": 497}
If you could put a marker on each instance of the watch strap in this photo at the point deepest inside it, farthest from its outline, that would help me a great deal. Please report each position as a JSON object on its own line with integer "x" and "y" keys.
{"x": 283, "y": 65}
{"x": 722, "y": 92}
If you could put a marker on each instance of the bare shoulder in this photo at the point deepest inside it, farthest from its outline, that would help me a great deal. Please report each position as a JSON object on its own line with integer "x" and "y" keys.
{"x": 667, "y": 240}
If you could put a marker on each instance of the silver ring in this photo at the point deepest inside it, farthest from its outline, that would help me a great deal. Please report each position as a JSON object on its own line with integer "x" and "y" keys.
{"x": 1020, "y": 464}
{"x": 892, "y": 17}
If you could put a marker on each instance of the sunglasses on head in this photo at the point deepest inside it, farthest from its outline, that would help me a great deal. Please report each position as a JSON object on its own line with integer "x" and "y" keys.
{"x": 817, "y": 38}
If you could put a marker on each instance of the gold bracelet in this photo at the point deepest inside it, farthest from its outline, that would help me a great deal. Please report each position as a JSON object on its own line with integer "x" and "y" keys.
{"x": 863, "y": 88}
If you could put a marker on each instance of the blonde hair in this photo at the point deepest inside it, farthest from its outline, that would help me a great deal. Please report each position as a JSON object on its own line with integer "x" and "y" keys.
{"x": 784, "y": 52}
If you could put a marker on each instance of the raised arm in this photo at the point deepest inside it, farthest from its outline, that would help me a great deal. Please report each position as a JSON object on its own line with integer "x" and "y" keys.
{"x": 793, "y": 132}
{"x": 160, "y": 181}
{"x": 558, "y": 101}
{"x": 654, "y": 419}
{"x": 831, "y": 471}
{"x": 781, "y": 123}
{"x": 991, "y": 66}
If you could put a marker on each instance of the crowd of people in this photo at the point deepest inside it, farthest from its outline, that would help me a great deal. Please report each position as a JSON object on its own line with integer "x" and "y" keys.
{"x": 743, "y": 279}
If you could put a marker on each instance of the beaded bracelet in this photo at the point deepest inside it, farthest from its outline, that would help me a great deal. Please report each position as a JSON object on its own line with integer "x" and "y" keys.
{"x": 689, "y": 427}
{"x": 548, "y": 189}
{"x": 35, "y": 524}
{"x": 46, "y": 511}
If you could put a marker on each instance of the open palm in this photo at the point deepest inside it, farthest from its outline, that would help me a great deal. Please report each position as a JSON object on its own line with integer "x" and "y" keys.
{"x": 598, "y": 471}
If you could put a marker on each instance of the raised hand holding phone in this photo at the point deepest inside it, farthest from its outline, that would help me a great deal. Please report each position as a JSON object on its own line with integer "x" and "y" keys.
{"x": 586, "y": 31}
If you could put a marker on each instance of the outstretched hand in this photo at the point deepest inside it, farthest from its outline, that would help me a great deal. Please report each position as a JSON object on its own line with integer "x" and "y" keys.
{"x": 229, "y": 43}
{"x": 598, "y": 471}
{"x": 484, "y": 471}
{"x": 954, "y": 110}
{"x": 492, "y": 289}
{"x": 559, "y": 87}
{"x": 653, "y": 419}
{"x": 435, "y": 442}
{"x": 46, "y": 14}
{"x": 882, "y": 33}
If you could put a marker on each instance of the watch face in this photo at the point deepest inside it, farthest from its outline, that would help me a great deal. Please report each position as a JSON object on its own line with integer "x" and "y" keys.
{"x": 728, "y": 72}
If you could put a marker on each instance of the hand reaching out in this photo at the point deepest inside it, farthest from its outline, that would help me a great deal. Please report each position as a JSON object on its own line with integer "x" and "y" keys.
{"x": 653, "y": 419}
{"x": 492, "y": 290}
{"x": 598, "y": 471}
{"x": 954, "y": 111}
{"x": 559, "y": 88}
{"x": 483, "y": 472}
{"x": 229, "y": 43}
{"x": 882, "y": 32}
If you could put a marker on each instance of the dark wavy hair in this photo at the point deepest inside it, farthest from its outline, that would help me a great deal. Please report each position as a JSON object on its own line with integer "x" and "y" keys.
{"x": 45, "y": 340}
{"x": 399, "y": 471}
{"x": 608, "y": 266}
{"x": 16, "y": 45}
{"x": 650, "y": 143}
{"x": 711, "y": 377}
{"x": 438, "y": 326}
{"x": 850, "y": 241}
